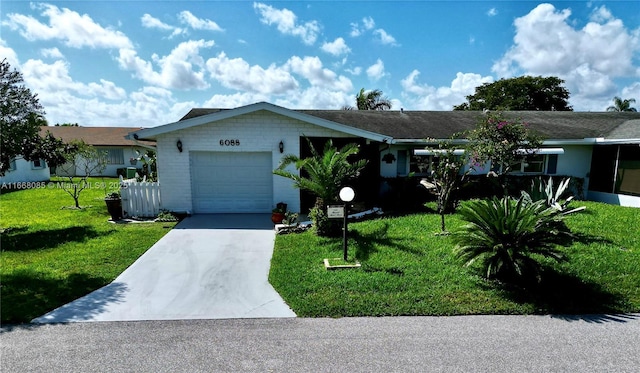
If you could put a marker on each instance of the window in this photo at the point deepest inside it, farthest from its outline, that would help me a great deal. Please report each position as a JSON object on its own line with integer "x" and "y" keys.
{"x": 616, "y": 169}
{"x": 420, "y": 164}
{"x": 531, "y": 164}
{"x": 38, "y": 164}
{"x": 113, "y": 155}
{"x": 12, "y": 165}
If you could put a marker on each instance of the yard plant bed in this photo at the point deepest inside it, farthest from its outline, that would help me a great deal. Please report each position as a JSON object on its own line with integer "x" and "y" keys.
{"x": 53, "y": 254}
{"x": 409, "y": 270}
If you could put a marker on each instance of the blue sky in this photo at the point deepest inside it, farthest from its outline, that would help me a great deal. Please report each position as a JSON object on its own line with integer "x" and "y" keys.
{"x": 146, "y": 63}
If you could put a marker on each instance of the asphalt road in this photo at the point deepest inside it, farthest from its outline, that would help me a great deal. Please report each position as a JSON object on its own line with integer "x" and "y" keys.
{"x": 398, "y": 344}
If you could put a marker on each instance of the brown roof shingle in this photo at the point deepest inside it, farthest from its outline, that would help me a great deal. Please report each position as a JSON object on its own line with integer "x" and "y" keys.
{"x": 97, "y": 136}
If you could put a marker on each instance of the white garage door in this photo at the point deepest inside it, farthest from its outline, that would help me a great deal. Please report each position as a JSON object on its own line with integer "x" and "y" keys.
{"x": 231, "y": 182}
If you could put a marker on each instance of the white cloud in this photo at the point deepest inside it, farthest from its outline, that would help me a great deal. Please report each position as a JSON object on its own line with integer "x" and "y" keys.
{"x": 256, "y": 83}
{"x": 73, "y": 29}
{"x": 51, "y": 53}
{"x": 9, "y": 54}
{"x": 632, "y": 91}
{"x": 308, "y": 98}
{"x": 376, "y": 71}
{"x": 100, "y": 103}
{"x": 368, "y": 23}
{"x": 148, "y": 21}
{"x": 355, "y": 30}
{"x": 311, "y": 69}
{"x": 317, "y": 98}
{"x": 107, "y": 89}
{"x": 53, "y": 82}
{"x": 546, "y": 43}
{"x": 234, "y": 100}
{"x": 196, "y": 23}
{"x": 151, "y": 22}
{"x": 337, "y": 47}
{"x": 286, "y": 22}
{"x": 151, "y": 94}
{"x": 237, "y": 74}
{"x": 492, "y": 12}
{"x": 426, "y": 97}
{"x": 589, "y": 82}
{"x": 183, "y": 68}
{"x": 385, "y": 38}
{"x": 355, "y": 71}
{"x": 187, "y": 18}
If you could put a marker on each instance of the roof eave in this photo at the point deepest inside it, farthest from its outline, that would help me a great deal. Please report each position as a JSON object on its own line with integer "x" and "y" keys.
{"x": 153, "y": 133}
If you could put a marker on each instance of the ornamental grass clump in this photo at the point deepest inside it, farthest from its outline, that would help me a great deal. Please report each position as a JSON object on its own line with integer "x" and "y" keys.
{"x": 509, "y": 236}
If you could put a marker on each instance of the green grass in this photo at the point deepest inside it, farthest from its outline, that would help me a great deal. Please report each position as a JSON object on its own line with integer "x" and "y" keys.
{"x": 52, "y": 254}
{"x": 408, "y": 270}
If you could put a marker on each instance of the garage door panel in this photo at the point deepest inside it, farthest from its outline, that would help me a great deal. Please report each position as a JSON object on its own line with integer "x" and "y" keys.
{"x": 231, "y": 182}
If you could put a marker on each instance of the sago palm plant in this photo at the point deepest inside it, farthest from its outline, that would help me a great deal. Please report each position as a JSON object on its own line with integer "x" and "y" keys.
{"x": 507, "y": 235}
{"x": 324, "y": 174}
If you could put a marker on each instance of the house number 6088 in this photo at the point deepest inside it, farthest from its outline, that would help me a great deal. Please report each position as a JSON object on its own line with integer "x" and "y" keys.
{"x": 230, "y": 142}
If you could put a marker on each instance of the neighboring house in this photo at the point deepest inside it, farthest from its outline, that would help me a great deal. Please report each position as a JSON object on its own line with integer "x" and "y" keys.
{"x": 23, "y": 171}
{"x": 221, "y": 161}
{"x": 110, "y": 141}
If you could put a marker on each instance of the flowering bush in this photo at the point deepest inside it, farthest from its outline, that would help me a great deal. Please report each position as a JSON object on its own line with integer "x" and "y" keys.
{"x": 497, "y": 139}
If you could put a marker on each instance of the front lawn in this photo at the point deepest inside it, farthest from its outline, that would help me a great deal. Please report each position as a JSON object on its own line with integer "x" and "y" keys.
{"x": 53, "y": 254}
{"x": 407, "y": 270}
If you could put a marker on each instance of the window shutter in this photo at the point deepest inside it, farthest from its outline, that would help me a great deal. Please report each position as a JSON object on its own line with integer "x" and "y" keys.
{"x": 552, "y": 164}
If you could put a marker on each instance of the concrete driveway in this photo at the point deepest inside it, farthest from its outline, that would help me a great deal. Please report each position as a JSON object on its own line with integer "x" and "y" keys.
{"x": 207, "y": 267}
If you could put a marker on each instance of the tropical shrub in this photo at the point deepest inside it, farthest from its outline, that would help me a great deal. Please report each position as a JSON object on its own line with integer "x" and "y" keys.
{"x": 508, "y": 236}
{"x": 323, "y": 175}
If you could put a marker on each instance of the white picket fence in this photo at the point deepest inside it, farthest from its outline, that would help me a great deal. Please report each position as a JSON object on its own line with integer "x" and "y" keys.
{"x": 140, "y": 198}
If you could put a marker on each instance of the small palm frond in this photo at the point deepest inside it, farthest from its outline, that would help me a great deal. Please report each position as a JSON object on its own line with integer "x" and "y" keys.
{"x": 326, "y": 172}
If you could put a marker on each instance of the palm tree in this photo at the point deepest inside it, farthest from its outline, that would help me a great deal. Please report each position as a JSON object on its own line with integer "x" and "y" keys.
{"x": 622, "y": 105}
{"x": 372, "y": 100}
{"x": 324, "y": 174}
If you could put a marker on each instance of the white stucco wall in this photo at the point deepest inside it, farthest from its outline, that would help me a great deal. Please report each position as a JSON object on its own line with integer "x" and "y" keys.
{"x": 112, "y": 169}
{"x": 259, "y": 131}
{"x": 576, "y": 161}
{"x": 24, "y": 172}
{"x": 128, "y": 152}
{"x": 614, "y": 199}
{"x": 391, "y": 169}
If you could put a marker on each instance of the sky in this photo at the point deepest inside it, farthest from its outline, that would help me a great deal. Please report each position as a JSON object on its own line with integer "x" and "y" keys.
{"x": 147, "y": 63}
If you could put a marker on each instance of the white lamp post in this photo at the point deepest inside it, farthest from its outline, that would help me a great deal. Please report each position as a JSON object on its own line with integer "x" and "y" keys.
{"x": 346, "y": 195}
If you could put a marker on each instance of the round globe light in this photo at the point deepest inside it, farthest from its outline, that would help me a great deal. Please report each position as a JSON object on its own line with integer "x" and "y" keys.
{"x": 347, "y": 194}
